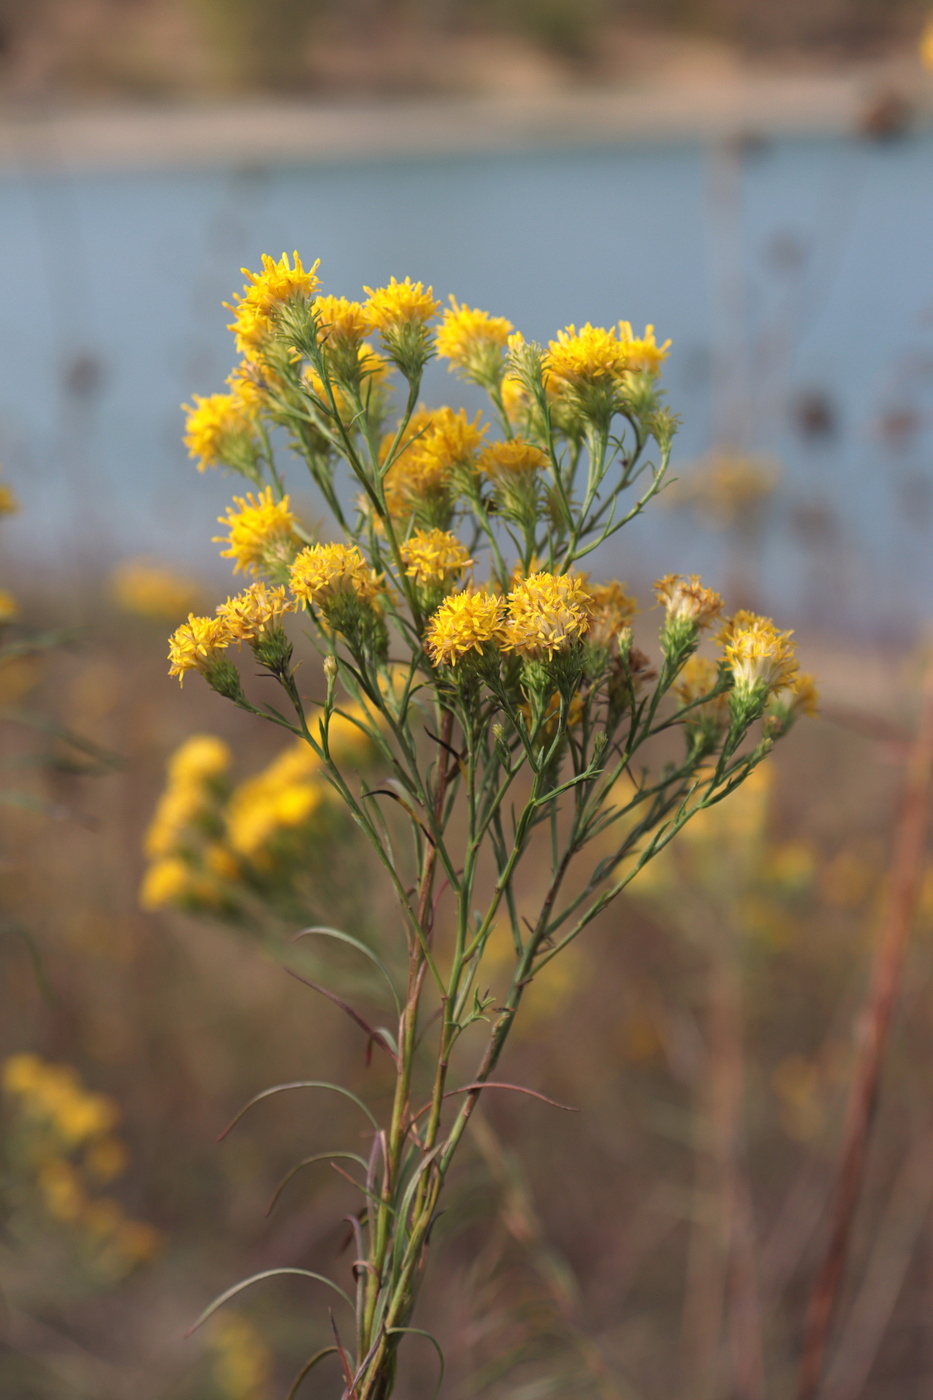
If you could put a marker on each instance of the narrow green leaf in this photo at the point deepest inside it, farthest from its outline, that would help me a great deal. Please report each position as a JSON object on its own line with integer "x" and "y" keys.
{"x": 360, "y": 947}
{"x": 258, "y": 1278}
{"x": 418, "y": 1332}
{"x": 298, "y": 1084}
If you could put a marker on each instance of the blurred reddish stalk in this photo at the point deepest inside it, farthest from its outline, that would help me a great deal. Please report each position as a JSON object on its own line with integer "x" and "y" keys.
{"x": 907, "y": 867}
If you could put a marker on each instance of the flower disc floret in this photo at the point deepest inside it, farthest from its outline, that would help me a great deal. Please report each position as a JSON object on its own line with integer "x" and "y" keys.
{"x": 325, "y": 573}
{"x": 262, "y": 534}
{"x": 466, "y": 622}
{"x": 434, "y": 557}
{"x": 547, "y": 614}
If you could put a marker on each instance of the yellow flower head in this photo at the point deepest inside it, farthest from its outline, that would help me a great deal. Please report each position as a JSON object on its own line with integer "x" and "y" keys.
{"x": 687, "y": 601}
{"x": 590, "y": 357}
{"x": 152, "y": 591}
{"x": 324, "y": 573}
{"x": 439, "y": 443}
{"x": 514, "y": 397}
{"x": 8, "y": 502}
{"x": 340, "y": 320}
{"x": 761, "y": 658}
{"x": 250, "y": 384}
{"x": 642, "y": 352}
{"x": 218, "y": 429}
{"x": 265, "y": 294}
{"x": 400, "y": 304}
{"x": 547, "y": 614}
{"x": 434, "y": 557}
{"x": 473, "y": 341}
{"x": 256, "y": 611}
{"x": 806, "y": 695}
{"x": 612, "y": 607}
{"x": 262, "y": 533}
{"x": 509, "y": 461}
{"x": 196, "y": 645}
{"x": 463, "y": 623}
{"x": 201, "y": 759}
{"x": 166, "y": 882}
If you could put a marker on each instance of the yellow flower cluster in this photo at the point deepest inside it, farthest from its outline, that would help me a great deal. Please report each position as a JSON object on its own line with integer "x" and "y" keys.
{"x": 264, "y": 295}
{"x": 207, "y": 837}
{"x": 465, "y": 622}
{"x": 152, "y": 591}
{"x": 196, "y": 645}
{"x": 590, "y": 356}
{"x": 262, "y": 533}
{"x": 761, "y": 658}
{"x": 473, "y": 341}
{"x": 686, "y": 600}
{"x": 547, "y": 614}
{"x": 543, "y": 615}
{"x": 434, "y": 557}
{"x": 438, "y": 445}
{"x": 8, "y": 502}
{"x": 400, "y": 304}
{"x": 217, "y": 428}
{"x": 507, "y": 461}
{"x": 611, "y": 608}
{"x": 189, "y": 864}
{"x": 62, "y": 1139}
{"x": 642, "y": 352}
{"x": 341, "y": 320}
{"x": 326, "y": 573}
{"x": 254, "y": 613}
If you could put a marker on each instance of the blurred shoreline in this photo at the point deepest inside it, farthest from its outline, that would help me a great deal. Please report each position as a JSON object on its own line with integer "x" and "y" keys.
{"x": 880, "y": 99}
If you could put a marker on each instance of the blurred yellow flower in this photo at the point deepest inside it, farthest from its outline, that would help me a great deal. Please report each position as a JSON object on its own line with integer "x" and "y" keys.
{"x": 9, "y": 608}
{"x": 262, "y": 532}
{"x": 434, "y": 557}
{"x": 218, "y": 428}
{"x": 152, "y": 590}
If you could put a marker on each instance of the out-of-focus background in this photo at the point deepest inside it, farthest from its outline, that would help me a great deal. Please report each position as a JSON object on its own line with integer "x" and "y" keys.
{"x": 756, "y": 180}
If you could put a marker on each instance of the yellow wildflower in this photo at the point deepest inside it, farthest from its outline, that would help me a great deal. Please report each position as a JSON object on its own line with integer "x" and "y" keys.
{"x": 547, "y": 614}
{"x": 8, "y": 502}
{"x": 434, "y": 557}
{"x": 201, "y": 759}
{"x": 686, "y": 600}
{"x": 323, "y": 573}
{"x": 469, "y": 621}
{"x": 152, "y": 591}
{"x": 698, "y": 677}
{"x": 22, "y": 1073}
{"x": 340, "y": 320}
{"x": 761, "y": 658}
{"x": 473, "y": 341}
{"x": 611, "y": 608}
{"x": 218, "y": 429}
{"x": 196, "y": 645}
{"x": 806, "y": 695}
{"x": 61, "y": 1190}
{"x": 250, "y": 384}
{"x": 166, "y": 882}
{"x": 265, "y": 294}
{"x": 262, "y": 533}
{"x": 438, "y": 445}
{"x": 256, "y": 611}
{"x": 282, "y": 798}
{"x": 642, "y": 352}
{"x": 9, "y": 608}
{"x": 508, "y": 461}
{"x": 591, "y": 356}
{"x": 400, "y": 304}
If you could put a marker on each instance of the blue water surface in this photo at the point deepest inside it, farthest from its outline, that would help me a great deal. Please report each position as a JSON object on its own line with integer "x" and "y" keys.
{"x": 794, "y": 277}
